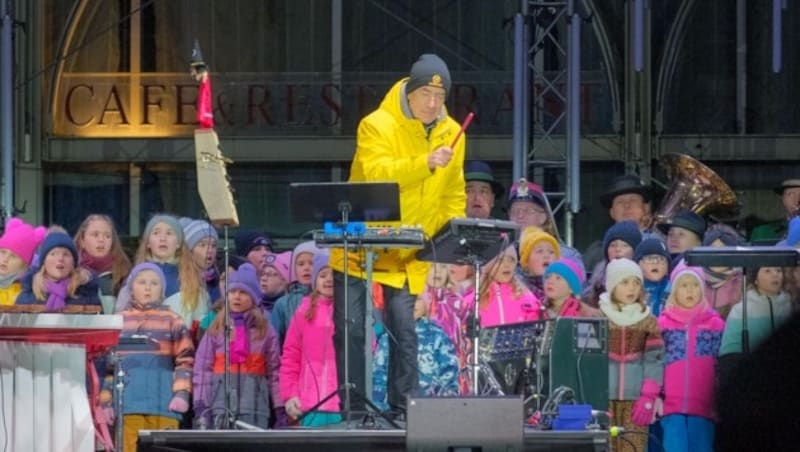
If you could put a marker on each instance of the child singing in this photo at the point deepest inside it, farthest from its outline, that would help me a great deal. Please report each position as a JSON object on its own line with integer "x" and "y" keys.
{"x": 158, "y": 375}
{"x": 692, "y": 333}
{"x": 308, "y": 364}
{"x": 505, "y": 299}
{"x": 254, "y": 361}
{"x": 635, "y": 353}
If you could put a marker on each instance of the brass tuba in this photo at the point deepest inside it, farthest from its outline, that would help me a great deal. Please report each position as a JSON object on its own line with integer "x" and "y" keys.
{"x": 694, "y": 187}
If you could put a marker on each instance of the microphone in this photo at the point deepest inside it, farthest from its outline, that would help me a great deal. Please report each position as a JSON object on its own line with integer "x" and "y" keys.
{"x": 615, "y": 430}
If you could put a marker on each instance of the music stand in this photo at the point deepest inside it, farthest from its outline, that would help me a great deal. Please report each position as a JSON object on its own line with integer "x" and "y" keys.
{"x": 745, "y": 257}
{"x": 473, "y": 242}
{"x": 355, "y": 202}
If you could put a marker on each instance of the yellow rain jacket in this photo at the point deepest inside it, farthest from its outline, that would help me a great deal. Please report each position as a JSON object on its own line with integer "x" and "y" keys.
{"x": 393, "y": 147}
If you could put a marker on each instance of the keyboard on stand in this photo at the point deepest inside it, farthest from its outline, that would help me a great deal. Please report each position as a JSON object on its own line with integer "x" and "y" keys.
{"x": 374, "y": 237}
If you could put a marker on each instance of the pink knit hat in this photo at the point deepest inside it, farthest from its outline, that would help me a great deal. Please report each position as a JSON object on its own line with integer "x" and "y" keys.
{"x": 280, "y": 262}
{"x": 22, "y": 239}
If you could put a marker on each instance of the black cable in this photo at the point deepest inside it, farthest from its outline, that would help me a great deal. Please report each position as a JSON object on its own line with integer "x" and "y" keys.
{"x": 649, "y": 435}
{"x": 622, "y": 437}
{"x": 88, "y": 41}
{"x": 578, "y": 365}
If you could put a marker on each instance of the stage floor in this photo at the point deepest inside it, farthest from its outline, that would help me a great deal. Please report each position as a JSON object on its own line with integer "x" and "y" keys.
{"x": 329, "y": 440}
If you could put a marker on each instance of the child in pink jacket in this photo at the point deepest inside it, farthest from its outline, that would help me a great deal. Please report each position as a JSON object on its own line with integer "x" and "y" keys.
{"x": 308, "y": 364}
{"x": 692, "y": 333}
{"x": 504, "y": 298}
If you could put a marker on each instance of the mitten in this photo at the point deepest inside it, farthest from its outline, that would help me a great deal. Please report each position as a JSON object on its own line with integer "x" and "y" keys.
{"x": 178, "y": 404}
{"x": 281, "y": 418}
{"x": 644, "y": 408}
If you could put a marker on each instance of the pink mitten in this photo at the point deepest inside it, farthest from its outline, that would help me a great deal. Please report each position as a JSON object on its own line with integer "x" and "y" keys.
{"x": 178, "y": 405}
{"x": 644, "y": 408}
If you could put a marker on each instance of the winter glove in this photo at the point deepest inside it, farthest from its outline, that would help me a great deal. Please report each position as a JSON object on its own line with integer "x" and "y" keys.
{"x": 281, "y": 418}
{"x": 644, "y": 408}
{"x": 178, "y": 404}
{"x": 292, "y": 407}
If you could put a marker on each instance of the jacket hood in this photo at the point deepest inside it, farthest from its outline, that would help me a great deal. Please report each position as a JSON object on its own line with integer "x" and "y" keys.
{"x": 673, "y": 313}
{"x": 396, "y": 104}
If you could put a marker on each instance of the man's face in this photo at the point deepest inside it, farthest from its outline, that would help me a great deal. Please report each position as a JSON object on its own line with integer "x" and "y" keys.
{"x": 629, "y": 206}
{"x": 791, "y": 201}
{"x": 426, "y": 103}
{"x": 480, "y": 198}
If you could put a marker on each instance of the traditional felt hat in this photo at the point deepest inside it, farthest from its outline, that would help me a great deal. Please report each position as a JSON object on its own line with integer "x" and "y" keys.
{"x": 629, "y": 183}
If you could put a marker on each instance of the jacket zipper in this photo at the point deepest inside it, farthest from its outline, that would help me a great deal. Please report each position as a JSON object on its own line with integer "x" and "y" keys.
{"x": 622, "y": 365}
{"x": 689, "y": 350}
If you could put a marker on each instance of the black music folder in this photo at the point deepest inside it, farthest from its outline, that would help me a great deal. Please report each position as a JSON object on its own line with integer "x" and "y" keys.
{"x": 462, "y": 240}
{"x": 318, "y": 202}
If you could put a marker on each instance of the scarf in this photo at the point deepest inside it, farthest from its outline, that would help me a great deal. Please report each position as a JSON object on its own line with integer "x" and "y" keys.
{"x": 57, "y": 294}
{"x": 240, "y": 346}
{"x": 684, "y": 315}
{"x": 98, "y": 265}
{"x": 211, "y": 276}
{"x": 7, "y": 280}
{"x": 629, "y": 315}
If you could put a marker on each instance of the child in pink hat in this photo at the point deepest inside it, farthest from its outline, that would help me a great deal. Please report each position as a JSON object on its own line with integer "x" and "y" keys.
{"x": 17, "y": 245}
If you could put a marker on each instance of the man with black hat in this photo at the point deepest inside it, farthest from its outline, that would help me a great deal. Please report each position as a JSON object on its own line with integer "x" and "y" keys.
{"x": 627, "y": 199}
{"x": 409, "y": 139}
{"x": 772, "y": 232}
{"x": 482, "y": 189}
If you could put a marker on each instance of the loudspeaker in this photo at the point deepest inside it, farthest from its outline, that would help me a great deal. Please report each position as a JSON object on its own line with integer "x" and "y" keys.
{"x": 574, "y": 353}
{"x": 447, "y": 423}
{"x": 212, "y": 179}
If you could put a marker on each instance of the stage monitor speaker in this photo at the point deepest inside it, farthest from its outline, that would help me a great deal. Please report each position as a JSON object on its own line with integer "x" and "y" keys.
{"x": 453, "y": 423}
{"x": 574, "y": 353}
{"x": 212, "y": 179}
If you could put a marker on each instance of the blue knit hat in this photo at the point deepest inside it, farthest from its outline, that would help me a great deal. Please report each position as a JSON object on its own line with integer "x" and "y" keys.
{"x": 627, "y": 231}
{"x": 57, "y": 240}
{"x": 246, "y": 279}
{"x": 247, "y": 239}
{"x": 649, "y": 247}
{"x": 571, "y": 271}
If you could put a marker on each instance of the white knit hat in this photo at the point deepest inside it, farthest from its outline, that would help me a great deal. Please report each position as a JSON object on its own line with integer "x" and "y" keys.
{"x": 619, "y": 269}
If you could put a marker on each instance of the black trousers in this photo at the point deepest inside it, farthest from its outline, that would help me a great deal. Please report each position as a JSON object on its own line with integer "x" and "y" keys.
{"x": 399, "y": 321}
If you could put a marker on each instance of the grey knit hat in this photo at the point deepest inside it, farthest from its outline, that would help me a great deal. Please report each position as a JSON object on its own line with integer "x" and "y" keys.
{"x": 428, "y": 70}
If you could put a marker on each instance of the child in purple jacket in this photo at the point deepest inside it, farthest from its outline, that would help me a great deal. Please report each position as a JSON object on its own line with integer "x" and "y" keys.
{"x": 692, "y": 333}
{"x": 253, "y": 361}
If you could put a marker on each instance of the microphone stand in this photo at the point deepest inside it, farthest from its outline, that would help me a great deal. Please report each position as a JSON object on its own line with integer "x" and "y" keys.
{"x": 226, "y": 376}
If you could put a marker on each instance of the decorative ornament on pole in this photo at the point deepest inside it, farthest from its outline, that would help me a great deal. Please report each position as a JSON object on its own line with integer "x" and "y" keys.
{"x": 199, "y": 69}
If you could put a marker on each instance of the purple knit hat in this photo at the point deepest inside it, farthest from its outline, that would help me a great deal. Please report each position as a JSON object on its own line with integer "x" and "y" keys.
{"x": 320, "y": 262}
{"x": 246, "y": 279}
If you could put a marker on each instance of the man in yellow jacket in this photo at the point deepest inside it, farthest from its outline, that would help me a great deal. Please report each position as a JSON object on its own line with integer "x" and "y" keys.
{"x": 406, "y": 140}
